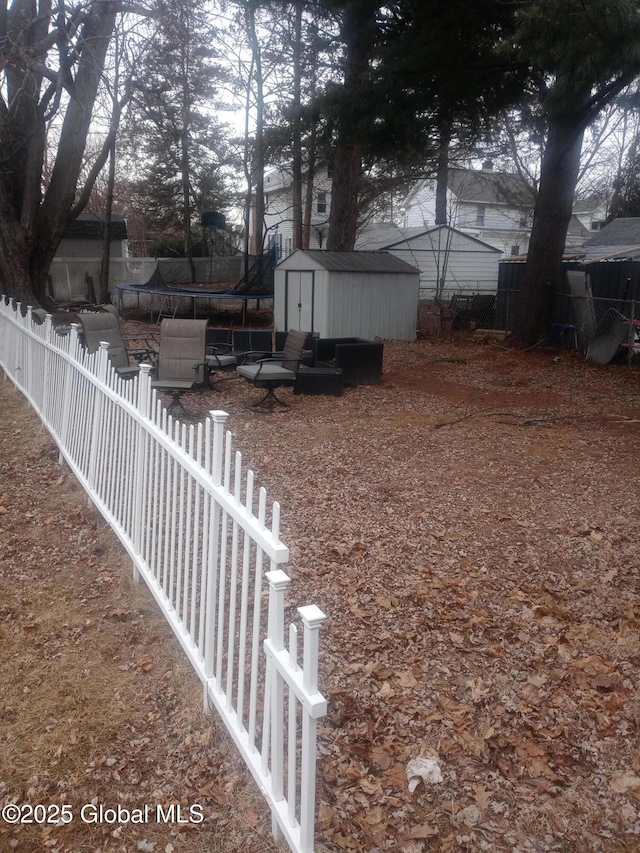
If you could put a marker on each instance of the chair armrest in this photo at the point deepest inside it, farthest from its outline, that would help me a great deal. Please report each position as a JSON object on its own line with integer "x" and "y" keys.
{"x": 218, "y": 349}
{"x": 253, "y": 355}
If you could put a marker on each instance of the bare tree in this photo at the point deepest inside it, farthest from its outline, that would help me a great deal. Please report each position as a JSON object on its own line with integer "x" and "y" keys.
{"x": 52, "y": 60}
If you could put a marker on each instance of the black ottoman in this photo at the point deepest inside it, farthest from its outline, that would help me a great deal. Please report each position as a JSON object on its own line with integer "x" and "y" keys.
{"x": 318, "y": 380}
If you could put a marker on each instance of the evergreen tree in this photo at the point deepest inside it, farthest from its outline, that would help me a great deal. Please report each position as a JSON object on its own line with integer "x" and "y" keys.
{"x": 182, "y": 146}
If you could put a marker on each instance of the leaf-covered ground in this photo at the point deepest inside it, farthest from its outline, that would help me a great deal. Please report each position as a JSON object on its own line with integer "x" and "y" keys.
{"x": 471, "y": 529}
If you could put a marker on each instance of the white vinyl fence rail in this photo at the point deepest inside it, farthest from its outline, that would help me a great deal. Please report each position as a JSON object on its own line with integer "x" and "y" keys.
{"x": 173, "y": 495}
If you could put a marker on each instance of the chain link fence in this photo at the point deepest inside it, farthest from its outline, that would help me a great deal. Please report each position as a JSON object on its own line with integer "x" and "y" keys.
{"x": 76, "y": 279}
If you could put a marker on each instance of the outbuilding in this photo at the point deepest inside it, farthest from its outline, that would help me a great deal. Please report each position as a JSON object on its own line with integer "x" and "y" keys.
{"x": 450, "y": 261}
{"x": 346, "y": 294}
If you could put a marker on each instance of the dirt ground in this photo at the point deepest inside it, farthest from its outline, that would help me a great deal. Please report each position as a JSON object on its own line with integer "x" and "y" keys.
{"x": 471, "y": 529}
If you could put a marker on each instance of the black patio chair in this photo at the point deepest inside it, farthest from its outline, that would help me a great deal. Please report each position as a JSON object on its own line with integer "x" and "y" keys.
{"x": 277, "y": 371}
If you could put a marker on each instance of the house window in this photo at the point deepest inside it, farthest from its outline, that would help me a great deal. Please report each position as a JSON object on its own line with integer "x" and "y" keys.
{"x": 523, "y": 219}
{"x": 480, "y": 214}
{"x": 596, "y": 225}
{"x": 321, "y": 206}
{"x": 515, "y": 250}
{"x": 329, "y": 171}
{"x": 288, "y": 246}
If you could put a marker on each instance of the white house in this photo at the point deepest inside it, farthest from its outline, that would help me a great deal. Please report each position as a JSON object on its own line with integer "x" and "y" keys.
{"x": 449, "y": 260}
{"x": 495, "y": 207}
{"x": 279, "y": 208}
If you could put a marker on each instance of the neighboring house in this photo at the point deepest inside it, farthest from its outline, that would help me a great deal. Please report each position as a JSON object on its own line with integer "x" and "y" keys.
{"x": 279, "y": 208}
{"x": 495, "y": 207}
{"x": 449, "y": 260}
{"x": 84, "y": 237}
{"x": 618, "y": 239}
{"x": 592, "y": 213}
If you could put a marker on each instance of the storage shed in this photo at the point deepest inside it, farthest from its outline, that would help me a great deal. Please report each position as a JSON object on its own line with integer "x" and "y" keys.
{"x": 444, "y": 255}
{"x": 346, "y": 294}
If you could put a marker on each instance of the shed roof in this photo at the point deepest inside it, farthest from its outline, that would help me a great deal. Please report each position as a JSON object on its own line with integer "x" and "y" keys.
{"x": 386, "y": 235}
{"x": 353, "y": 261}
{"x": 89, "y": 226}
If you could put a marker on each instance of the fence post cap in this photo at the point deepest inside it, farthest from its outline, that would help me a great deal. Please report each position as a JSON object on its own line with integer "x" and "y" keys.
{"x": 311, "y": 615}
{"x": 218, "y": 415}
{"x": 277, "y": 579}
{"x": 145, "y": 368}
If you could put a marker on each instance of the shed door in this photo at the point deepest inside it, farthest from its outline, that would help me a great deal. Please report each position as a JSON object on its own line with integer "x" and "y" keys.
{"x": 299, "y": 287}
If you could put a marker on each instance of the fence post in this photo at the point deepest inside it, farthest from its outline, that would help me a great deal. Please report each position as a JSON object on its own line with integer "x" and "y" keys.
{"x": 140, "y": 461}
{"x": 278, "y": 583}
{"x": 47, "y": 362}
{"x": 28, "y": 342}
{"x": 66, "y": 395}
{"x": 102, "y": 360}
{"x": 219, "y": 419}
{"x": 312, "y": 618}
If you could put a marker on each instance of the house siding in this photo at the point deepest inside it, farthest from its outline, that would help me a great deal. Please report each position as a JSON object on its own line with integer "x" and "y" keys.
{"x": 471, "y": 265}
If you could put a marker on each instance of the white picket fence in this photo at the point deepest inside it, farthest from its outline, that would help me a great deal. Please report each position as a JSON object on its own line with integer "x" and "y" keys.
{"x": 173, "y": 495}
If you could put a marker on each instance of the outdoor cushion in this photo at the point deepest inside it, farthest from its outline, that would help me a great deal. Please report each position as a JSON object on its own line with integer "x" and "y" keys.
{"x": 265, "y": 372}
{"x": 221, "y": 360}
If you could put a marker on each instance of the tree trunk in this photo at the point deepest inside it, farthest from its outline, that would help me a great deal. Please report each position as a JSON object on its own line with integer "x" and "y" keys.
{"x": 258, "y": 149}
{"x": 552, "y": 213}
{"x": 308, "y": 201}
{"x": 343, "y": 220}
{"x": 31, "y": 230}
{"x": 104, "y": 297}
{"x": 357, "y": 32}
{"x": 296, "y": 161}
{"x": 442, "y": 175}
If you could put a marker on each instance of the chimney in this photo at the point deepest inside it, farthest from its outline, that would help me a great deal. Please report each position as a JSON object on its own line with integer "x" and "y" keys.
{"x": 487, "y": 166}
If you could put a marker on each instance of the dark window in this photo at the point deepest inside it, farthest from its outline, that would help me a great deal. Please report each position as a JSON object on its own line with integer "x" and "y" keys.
{"x": 322, "y": 203}
{"x": 515, "y": 250}
{"x": 480, "y": 214}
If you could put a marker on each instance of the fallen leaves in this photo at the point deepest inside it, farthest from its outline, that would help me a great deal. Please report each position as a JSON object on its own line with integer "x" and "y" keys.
{"x": 489, "y": 618}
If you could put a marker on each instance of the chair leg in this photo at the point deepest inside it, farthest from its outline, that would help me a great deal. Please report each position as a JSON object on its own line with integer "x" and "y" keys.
{"x": 176, "y": 402}
{"x": 269, "y": 402}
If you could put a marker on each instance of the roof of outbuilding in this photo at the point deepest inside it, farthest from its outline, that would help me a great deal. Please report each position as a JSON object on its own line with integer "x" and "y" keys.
{"x": 621, "y": 232}
{"x": 89, "y": 226}
{"x": 387, "y": 236}
{"x": 357, "y": 261}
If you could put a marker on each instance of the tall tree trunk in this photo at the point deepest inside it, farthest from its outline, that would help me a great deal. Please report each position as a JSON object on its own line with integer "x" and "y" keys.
{"x": 258, "y": 148}
{"x": 31, "y": 227}
{"x": 343, "y": 220}
{"x": 296, "y": 160}
{"x": 308, "y": 201}
{"x": 552, "y": 213}
{"x": 104, "y": 296}
{"x": 357, "y": 30}
{"x": 442, "y": 175}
